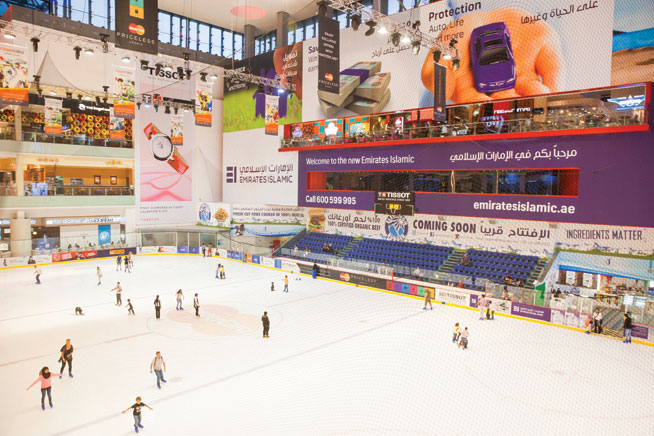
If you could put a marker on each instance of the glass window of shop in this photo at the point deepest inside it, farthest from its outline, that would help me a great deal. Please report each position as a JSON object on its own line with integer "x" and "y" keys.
{"x": 546, "y": 182}
{"x": 45, "y": 180}
{"x": 7, "y": 176}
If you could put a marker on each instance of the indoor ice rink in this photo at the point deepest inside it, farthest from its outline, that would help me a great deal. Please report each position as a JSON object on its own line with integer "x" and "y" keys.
{"x": 340, "y": 360}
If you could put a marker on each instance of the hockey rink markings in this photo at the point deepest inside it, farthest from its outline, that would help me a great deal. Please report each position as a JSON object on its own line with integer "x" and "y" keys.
{"x": 246, "y": 371}
{"x": 78, "y": 348}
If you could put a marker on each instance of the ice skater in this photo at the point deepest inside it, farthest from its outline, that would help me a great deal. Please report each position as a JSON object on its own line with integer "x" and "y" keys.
{"x": 196, "y": 304}
{"x": 78, "y": 311}
{"x": 210, "y": 251}
{"x": 130, "y": 308}
{"x": 37, "y": 274}
{"x": 157, "y": 307}
{"x": 128, "y": 264}
{"x": 204, "y": 250}
{"x": 137, "y": 412}
{"x": 222, "y": 272}
{"x": 119, "y": 263}
{"x": 45, "y": 377}
{"x": 266, "y": 324}
{"x": 480, "y": 304}
{"x": 463, "y": 342}
{"x": 285, "y": 283}
{"x": 99, "y": 272}
{"x": 119, "y": 293}
{"x": 456, "y": 333}
{"x": 427, "y": 300}
{"x": 218, "y": 271}
{"x": 597, "y": 321}
{"x": 626, "y": 326}
{"x": 490, "y": 311}
{"x": 67, "y": 358}
{"x": 180, "y": 296}
{"x": 272, "y": 286}
{"x": 159, "y": 366}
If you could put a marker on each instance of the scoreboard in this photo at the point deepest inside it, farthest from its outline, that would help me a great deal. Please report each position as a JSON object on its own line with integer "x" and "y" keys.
{"x": 394, "y": 203}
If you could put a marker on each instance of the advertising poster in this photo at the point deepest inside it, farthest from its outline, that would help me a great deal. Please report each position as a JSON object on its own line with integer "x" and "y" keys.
{"x": 328, "y": 55}
{"x": 53, "y": 116}
{"x": 203, "y": 103}
{"x": 124, "y": 91}
{"x": 214, "y": 214}
{"x": 116, "y": 126}
{"x": 13, "y": 68}
{"x": 633, "y": 42}
{"x": 267, "y": 214}
{"x": 104, "y": 234}
{"x": 440, "y": 78}
{"x": 165, "y": 170}
{"x": 272, "y": 114}
{"x": 592, "y": 158}
{"x": 177, "y": 129}
{"x": 245, "y": 104}
{"x": 136, "y": 25}
{"x": 255, "y": 172}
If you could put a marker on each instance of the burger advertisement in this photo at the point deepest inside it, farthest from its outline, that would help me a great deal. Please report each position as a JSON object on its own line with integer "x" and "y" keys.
{"x": 316, "y": 220}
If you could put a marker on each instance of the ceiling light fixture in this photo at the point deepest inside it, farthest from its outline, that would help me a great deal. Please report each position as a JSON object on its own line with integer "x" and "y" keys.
{"x": 371, "y": 27}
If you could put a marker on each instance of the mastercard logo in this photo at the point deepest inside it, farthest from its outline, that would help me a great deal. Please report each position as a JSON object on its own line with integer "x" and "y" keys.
{"x": 439, "y": 109}
{"x": 137, "y": 29}
{"x": 329, "y": 77}
{"x": 345, "y": 277}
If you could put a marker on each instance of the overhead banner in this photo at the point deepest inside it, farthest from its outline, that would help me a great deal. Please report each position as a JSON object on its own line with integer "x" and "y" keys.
{"x": 439, "y": 92}
{"x": 104, "y": 234}
{"x": 124, "y": 91}
{"x": 177, "y": 129}
{"x": 203, "y": 103}
{"x": 328, "y": 55}
{"x": 52, "y": 116}
{"x": 245, "y": 104}
{"x": 13, "y": 67}
{"x": 116, "y": 126}
{"x": 272, "y": 114}
{"x": 137, "y": 26}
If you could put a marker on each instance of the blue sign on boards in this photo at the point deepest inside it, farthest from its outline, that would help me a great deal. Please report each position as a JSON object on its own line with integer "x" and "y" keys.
{"x": 104, "y": 234}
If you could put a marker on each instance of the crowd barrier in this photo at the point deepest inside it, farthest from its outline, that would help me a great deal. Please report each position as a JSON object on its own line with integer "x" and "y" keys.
{"x": 442, "y": 294}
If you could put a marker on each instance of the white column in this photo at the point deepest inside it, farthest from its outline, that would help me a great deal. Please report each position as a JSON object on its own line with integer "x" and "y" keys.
{"x": 20, "y": 236}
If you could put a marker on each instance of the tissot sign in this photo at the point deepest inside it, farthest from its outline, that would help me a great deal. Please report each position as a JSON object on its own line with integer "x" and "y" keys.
{"x": 136, "y": 25}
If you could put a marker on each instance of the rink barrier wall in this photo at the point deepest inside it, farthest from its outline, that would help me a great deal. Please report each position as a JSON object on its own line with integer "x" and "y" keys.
{"x": 441, "y": 294}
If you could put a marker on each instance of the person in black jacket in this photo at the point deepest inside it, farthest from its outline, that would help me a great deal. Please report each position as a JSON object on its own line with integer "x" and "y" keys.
{"x": 157, "y": 307}
{"x": 626, "y": 325}
{"x": 266, "y": 324}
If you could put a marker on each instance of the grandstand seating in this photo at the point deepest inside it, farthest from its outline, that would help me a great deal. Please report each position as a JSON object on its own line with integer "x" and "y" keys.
{"x": 495, "y": 266}
{"x": 409, "y": 254}
{"x": 314, "y": 242}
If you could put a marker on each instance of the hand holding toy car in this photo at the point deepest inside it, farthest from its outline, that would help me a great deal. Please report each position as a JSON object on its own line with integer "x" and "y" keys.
{"x": 535, "y": 50}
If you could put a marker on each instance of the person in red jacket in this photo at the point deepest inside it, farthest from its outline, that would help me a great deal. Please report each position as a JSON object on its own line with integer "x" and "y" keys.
{"x": 45, "y": 377}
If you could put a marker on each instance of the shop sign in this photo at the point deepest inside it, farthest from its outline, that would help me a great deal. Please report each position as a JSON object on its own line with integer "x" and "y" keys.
{"x": 82, "y": 220}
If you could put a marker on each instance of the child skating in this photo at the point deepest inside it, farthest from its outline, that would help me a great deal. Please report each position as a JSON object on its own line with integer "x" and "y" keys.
{"x": 119, "y": 261}
{"x": 99, "y": 272}
{"x": 272, "y": 286}
{"x": 137, "y": 413}
{"x": 130, "y": 308}
{"x": 37, "y": 274}
{"x": 218, "y": 272}
{"x": 463, "y": 342}
{"x": 285, "y": 283}
{"x": 456, "y": 333}
{"x": 179, "y": 296}
{"x": 45, "y": 377}
{"x": 222, "y": 272}
{"x": 427, "y": 300}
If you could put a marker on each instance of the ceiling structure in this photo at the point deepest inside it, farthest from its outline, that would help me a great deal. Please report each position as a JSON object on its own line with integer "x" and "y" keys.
{"x": 235, "y": 14}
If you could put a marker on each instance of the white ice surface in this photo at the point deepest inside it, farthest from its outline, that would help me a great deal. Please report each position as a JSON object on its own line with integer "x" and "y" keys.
{"x": 340, "y": 360}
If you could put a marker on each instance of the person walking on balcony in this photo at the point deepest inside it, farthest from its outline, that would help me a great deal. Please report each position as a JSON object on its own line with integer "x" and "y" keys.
{"x": 597, "y": 321}
{"x": 626, "y": 325}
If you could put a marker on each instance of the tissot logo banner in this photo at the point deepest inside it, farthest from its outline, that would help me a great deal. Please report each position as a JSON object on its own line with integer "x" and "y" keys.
{"x": 328, "y": 55}
{"x": 136, "y": 25}
{"x": 439, "y": 92}
{"x": 232, "y": 174}
{"x": 394, "y": 203}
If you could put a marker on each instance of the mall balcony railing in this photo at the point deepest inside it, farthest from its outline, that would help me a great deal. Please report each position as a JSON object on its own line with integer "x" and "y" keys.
{"x": 9, "y": 133}
{"x": 77, "y": 190}
{"x": 550, "y": 123}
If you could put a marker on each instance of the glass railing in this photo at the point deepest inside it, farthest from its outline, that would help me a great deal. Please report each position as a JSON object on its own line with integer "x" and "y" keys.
{"x": 76, "y": 190}
{"x": 579, "y": 110}
{"x": 73, "y": 139}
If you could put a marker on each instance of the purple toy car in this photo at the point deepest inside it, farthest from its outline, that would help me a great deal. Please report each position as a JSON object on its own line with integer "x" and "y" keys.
{"x": 491, "y": 56}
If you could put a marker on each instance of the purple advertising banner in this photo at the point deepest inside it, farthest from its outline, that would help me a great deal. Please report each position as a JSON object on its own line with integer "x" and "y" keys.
{"x": 529, "y": 311}
{"x": 639, "y": 331}
{"x": 614, "y": 177}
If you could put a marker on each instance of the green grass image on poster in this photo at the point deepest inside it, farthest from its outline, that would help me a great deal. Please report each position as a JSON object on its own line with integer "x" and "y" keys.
{"x": 239, "y": 110}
